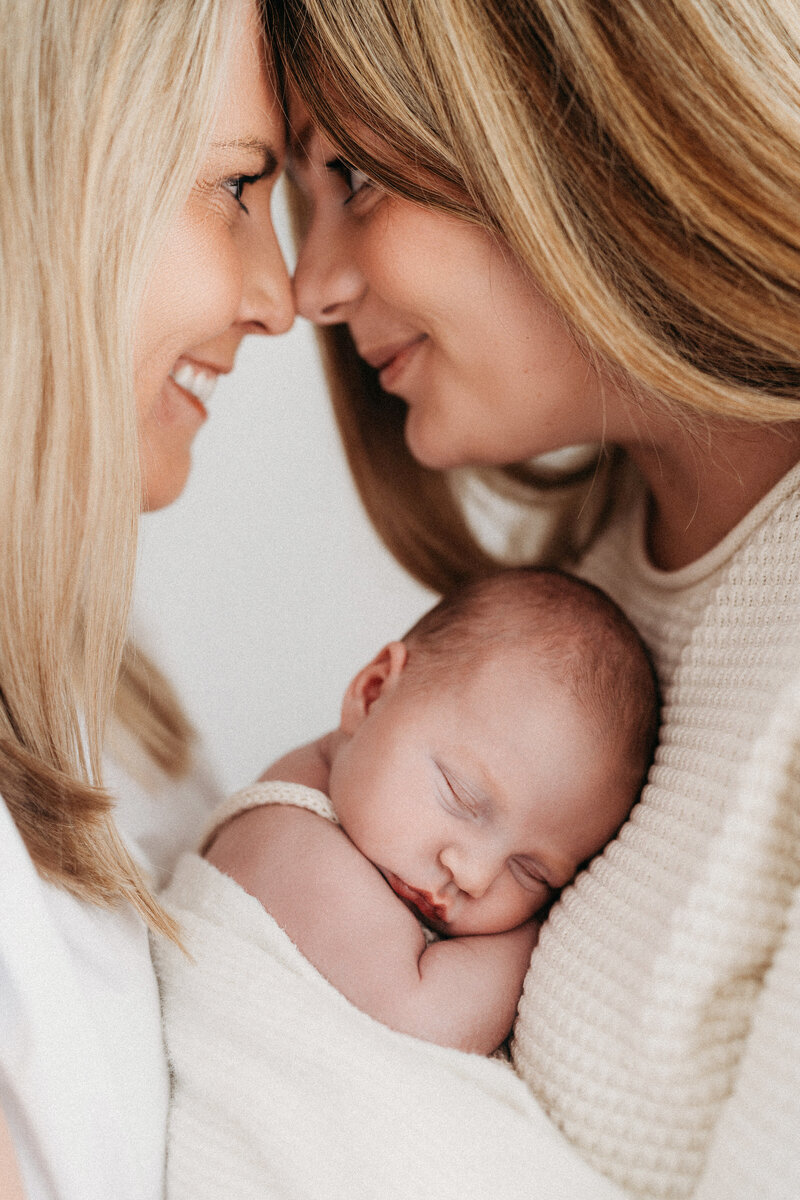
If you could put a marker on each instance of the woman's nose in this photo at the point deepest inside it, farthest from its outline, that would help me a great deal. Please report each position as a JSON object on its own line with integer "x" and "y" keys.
{"x": 327, "y": 281}
{"x": 472, "y": 869}
{"x": 267, "y": 296}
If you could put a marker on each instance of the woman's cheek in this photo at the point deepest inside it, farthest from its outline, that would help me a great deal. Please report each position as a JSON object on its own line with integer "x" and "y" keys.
{"x": 211, "y": 290}
{"x": 198, "y": 277}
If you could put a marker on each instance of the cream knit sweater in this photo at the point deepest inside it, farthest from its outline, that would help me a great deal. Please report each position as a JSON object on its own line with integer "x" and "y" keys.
{"x": 660, "y": 1024}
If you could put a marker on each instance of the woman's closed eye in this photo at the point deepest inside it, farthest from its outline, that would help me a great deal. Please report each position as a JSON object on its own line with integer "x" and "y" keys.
{"x": 354, "y": 180}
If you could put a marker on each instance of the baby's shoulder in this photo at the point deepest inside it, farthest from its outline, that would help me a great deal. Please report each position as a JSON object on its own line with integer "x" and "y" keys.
{"x": 315, "y": 882}
{"x": 271, "y": 841}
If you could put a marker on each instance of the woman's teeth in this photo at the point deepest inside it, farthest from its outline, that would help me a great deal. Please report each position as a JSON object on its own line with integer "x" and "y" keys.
{"x": 199, "y": 383}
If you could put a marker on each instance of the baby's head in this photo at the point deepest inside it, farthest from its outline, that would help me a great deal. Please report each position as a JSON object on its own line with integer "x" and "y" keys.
{"x": 483, "y": 759}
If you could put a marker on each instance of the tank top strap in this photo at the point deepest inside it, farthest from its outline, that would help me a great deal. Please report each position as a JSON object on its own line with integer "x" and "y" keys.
{"x": 268, "y": 792}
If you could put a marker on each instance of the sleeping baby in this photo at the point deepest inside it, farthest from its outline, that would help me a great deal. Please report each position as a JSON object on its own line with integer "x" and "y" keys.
{"x": 405, "y": 860}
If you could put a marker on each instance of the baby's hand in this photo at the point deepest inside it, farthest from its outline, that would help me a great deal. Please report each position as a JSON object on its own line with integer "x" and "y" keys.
{"x": 473, "y": 985}
{"x": 521, "y": 942}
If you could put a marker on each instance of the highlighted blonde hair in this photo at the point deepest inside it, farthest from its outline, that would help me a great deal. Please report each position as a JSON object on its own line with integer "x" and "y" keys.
{"x": 107, "y": 108}
{"x": 641, "y": 160}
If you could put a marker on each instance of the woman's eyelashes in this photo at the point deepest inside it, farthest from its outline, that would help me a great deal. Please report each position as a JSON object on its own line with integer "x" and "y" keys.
{"x": 236, "y": 185}
{"x": 354, "y": 179}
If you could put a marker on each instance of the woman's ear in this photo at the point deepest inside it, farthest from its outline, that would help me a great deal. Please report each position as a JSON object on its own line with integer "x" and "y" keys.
{"x": 377, "y": 678}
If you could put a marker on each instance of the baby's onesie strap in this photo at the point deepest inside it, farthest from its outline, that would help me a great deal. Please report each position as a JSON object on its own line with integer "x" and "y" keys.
{"x": 269, "y": 792}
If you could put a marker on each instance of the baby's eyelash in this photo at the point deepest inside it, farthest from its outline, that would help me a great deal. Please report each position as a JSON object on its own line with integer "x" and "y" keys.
{"x": 465, "y": 806}
{"x": 528, "y": 876}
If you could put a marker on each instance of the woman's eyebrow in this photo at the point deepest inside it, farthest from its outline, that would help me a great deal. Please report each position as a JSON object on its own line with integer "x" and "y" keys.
{"x": 271, "y": 160}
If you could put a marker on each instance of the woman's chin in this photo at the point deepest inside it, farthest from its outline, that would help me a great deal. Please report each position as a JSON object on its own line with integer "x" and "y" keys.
{"x": 440, "y": 454}
{"x": 163, "y": 486}
{"x": 432, "y": 449}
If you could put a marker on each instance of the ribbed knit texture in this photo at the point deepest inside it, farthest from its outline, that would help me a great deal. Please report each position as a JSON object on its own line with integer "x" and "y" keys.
{"x": 660, "y": 1023}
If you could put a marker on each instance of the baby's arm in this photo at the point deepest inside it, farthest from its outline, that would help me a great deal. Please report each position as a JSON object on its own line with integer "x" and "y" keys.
{"x": 343, "y": 916}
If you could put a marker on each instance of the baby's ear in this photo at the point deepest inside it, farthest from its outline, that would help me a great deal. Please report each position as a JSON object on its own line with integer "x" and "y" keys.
{"x": 377, "y": 678}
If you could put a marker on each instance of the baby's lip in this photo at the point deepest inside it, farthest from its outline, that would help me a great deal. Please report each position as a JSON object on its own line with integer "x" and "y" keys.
{"x": 424, "y": 904}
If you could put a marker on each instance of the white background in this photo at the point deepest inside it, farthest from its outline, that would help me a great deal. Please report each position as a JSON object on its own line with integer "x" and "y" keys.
{"x": 264, "y": 588}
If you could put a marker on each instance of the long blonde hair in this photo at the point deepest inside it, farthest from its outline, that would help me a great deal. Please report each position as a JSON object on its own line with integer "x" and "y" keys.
{"x": 642, "y": 160}
{"x": 106, "y": 109}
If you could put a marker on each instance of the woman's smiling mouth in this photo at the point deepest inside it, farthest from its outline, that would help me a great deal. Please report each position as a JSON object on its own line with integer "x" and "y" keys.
{"x": 391, "y": 360}
{"x": 197, "y": 382}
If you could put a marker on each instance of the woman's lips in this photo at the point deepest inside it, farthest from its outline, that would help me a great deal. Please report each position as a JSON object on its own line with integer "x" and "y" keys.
{"x": 390, "y": 361}
{"x": 421, "y": 903}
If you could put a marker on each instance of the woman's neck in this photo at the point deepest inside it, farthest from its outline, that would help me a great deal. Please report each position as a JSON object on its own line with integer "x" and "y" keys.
{"x": 703, "y": 483}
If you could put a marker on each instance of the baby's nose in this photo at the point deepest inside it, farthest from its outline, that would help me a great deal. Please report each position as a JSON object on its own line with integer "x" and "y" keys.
{"x": 472, "y": 872}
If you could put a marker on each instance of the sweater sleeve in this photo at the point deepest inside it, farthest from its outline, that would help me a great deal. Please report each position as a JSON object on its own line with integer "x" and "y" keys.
{"x": 754, "y": 1151}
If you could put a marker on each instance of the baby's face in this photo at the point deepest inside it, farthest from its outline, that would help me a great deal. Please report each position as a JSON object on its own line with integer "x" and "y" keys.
{"x": 476, "y": 796}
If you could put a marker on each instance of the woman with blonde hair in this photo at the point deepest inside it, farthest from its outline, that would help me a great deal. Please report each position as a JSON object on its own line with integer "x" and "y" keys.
{"x": 140, "y": 144}
{"x": 547, "y": 224}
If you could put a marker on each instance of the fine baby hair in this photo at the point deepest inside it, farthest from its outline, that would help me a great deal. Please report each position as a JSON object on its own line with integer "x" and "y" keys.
{"x": 569, "y": 628}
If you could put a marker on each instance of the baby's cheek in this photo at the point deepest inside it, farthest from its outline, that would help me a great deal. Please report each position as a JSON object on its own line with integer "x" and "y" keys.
{"x": 355, "y": 824}
{"x": 520, "y": 904}
{"x": 499, "y": 912}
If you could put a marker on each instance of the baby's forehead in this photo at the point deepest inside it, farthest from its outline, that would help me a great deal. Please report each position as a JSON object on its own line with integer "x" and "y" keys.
{"x": 527, "y": 661}
{"x": 475, "y": 691}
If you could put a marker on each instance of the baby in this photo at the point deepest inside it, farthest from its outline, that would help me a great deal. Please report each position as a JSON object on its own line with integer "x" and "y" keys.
{"x": 478, "y": 765}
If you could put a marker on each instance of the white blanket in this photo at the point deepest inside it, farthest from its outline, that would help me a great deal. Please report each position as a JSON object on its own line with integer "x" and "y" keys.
{"x": 283, "y": 1090}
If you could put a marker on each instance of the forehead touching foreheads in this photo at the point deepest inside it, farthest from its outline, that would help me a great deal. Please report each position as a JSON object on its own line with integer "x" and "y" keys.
{"x": 554, "y": 625}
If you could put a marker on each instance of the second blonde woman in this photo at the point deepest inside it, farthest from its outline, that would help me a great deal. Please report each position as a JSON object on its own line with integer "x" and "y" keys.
{"x": 532, "y": 225}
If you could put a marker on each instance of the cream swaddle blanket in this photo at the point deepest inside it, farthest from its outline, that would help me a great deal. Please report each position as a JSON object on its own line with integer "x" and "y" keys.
{"x": 283, "y": 1090}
